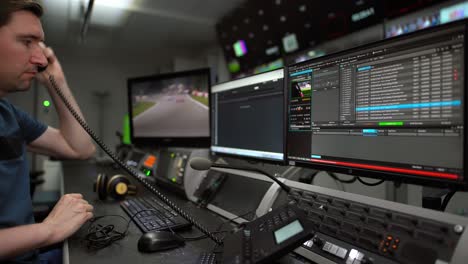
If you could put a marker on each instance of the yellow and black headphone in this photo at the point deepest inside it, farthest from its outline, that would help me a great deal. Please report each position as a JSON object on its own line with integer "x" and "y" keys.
{"x": 117, "y": 187}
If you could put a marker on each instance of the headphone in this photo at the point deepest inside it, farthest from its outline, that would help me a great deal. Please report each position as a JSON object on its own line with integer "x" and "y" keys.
{"x": 117, "y": 187}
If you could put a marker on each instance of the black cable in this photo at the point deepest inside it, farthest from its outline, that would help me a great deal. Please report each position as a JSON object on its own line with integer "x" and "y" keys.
{"x": 228, "y": 221}
{"x": 334, "y": 176}
{"x": 127, "y": 168}
{"x": 201, "y": 236}
{"x": 370, "y": 183}
{"x": 446, "y": 200}
{"x": 232, "y": 219}
{"x": 100, "y": 236}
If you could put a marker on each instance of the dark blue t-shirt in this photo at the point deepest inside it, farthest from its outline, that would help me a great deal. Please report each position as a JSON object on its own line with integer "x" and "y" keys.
{"x": 17, "y": 129}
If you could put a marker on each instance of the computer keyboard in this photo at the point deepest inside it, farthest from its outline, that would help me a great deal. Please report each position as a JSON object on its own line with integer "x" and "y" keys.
{"x": 207, "y": 258}
{"x": 157, "y": 216}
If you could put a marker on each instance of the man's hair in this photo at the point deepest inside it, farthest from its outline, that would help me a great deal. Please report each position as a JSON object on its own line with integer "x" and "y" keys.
{"x": 7, "y": 7}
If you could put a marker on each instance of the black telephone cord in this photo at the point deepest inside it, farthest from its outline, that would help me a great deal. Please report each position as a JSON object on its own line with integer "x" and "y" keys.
{"x": 127, "y": 168}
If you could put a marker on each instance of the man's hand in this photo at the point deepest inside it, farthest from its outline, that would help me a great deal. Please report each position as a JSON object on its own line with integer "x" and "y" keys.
{"x": 70, "y": 140}
{"x": 68, "y": 215}
{"x": 53, "y": 68}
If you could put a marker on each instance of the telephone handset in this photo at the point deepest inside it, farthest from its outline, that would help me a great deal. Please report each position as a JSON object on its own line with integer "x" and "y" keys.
{"x": 124, "y": 166}
{"x": 269, "y": 237}
{"x": 41, "y": 69}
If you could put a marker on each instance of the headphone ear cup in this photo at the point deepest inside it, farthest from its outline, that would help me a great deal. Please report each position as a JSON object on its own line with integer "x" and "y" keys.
{"x": 118, "y": 187}
{"x": 100, "y": 186}
{"x": 132, "y": 189}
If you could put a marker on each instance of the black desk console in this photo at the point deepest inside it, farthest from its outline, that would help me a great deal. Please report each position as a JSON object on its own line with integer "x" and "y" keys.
{"x": 269, "y": 237}
{"x": 168, "y": 167}
{"x": 355, "y": 229}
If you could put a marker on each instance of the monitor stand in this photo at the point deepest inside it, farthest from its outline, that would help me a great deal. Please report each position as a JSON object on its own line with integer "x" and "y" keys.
{"x": 432, "y": 197}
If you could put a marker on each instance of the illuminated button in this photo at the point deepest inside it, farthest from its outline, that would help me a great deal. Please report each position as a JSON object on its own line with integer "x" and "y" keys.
{"x": 341, "y": 253}
{"x": 334, "y": 249}
{"x": 150, "y": 161}
{"x": 327, "y": 247}
{"x": 389, "y": 238}
{"x": 394, "y": 123}
{"x": 394, "y": 246}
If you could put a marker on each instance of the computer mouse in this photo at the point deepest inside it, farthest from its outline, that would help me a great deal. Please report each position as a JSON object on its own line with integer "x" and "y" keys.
{"x": 159, "y": 240}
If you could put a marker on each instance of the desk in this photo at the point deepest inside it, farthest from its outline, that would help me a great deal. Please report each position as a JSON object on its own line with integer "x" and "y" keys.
{"x": 79, "y": 178}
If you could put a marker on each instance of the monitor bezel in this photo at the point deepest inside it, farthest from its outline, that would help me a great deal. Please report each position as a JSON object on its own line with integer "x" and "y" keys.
{"x": 188, "y": 142}
{"x": 250, "y": 158}
{"x": 389, "y": 176}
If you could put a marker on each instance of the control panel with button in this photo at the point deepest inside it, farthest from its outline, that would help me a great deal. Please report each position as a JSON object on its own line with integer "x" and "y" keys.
{"x": 268, "y": 237}
{"x": 171, "y": 169}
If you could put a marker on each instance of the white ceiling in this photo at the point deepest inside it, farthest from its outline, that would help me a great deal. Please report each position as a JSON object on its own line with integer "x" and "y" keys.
{"x": 157, "y": 26}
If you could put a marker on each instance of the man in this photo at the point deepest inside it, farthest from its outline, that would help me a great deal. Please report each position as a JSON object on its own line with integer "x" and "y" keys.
{"x": 22, "y": 53}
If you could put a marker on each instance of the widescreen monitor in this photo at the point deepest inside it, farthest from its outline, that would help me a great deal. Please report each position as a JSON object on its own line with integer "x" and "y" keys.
{"x": 394, "y": 109}
{"x": 170, "y": 109}
{"x": 247, "y": 117}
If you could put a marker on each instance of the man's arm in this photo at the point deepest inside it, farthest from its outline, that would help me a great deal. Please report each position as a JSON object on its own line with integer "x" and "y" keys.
{"x": 70, "y": 213}
{"x": 70, "y": 140}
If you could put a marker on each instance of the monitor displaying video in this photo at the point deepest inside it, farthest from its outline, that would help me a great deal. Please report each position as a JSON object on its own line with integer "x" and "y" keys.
{"x": 170, "y": 109}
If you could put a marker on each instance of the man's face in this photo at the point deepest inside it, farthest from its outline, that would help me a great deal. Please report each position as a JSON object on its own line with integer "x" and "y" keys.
{"x": 20, "y": 53}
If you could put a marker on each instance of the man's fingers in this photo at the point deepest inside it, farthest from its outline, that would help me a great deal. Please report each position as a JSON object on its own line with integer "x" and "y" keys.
{"x": 50, "y": 55}
{"x": 76, "y": 195}
{"x": 89, "y": 215}
{"x": 83, "y": 208}
{"x": 89, "y": 208}
{"x": 48, "y": 52}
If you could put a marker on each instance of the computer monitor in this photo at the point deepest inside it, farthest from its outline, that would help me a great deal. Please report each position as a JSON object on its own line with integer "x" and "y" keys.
{"x": 394, "y": 109}
{"x": 247, "y": 117}
{"x": 170, "y": 109}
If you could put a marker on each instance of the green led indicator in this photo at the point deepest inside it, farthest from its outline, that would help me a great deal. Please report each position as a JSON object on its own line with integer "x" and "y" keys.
{"x": 398, "y": 123}
{"x": 46, "y": 103}
{"x": 148, "y": 173}
{"x": 174, "y": 179}
{"x": 172, "y": 155}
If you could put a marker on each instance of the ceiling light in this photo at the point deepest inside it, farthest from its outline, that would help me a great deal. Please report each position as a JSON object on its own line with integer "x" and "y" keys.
{"x": 109, "y": 13}
{"x": 122, "y": 4}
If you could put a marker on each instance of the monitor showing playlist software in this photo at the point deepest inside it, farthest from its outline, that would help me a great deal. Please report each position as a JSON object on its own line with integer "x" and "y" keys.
{"x": 170, "y": 109}
{"x": 247, "y": 117}
{"x": 393, "y": 109}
